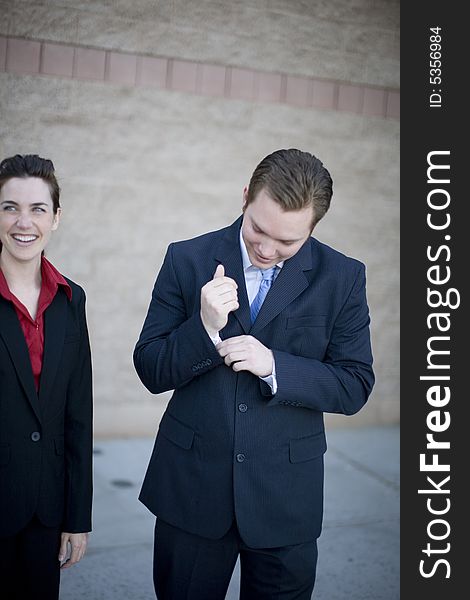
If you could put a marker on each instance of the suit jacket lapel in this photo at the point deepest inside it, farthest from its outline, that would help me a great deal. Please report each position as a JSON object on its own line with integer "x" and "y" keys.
{"x": 228, "y": 253}
{"x": 13, "y": 336}
{"x": 54, "y": 333}
{"x": 289, "y": 284}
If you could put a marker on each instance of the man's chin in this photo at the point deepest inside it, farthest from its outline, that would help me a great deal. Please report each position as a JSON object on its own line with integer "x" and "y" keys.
{"x": 260, "y": 264}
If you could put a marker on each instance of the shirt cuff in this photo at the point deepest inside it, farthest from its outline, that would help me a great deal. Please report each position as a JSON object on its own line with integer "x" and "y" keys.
{"x": 216, "y": 339}
{"x": 271, "y": 379}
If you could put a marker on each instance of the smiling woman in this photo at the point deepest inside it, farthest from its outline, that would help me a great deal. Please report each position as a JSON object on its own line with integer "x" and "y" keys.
{"x": 45, "y": 391}
{"x": 27, "y": 219}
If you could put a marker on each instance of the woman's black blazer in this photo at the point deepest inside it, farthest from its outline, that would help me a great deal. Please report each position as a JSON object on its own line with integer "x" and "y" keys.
{"x": 46, "y": 437}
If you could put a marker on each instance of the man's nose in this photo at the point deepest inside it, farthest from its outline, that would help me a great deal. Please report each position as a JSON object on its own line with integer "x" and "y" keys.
{"x": 267, "y": 249}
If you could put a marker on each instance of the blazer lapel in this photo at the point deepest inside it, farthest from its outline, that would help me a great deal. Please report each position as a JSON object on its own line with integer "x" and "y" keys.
{"x": 54, "y": 334}
{"x": 228, "y": 253}
{"x": 13, "y": 337}
{"x": 289, "y": 284}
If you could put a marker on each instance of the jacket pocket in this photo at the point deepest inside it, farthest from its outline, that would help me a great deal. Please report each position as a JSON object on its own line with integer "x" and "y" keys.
{"x": 307, "y": 321}
{"x": 176, "y": 432}
{"x": 4, "y": 454}
{"x": 307, "y": 448}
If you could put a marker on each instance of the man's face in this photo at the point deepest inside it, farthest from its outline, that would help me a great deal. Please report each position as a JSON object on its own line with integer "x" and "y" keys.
{"x": 272, "y": 234}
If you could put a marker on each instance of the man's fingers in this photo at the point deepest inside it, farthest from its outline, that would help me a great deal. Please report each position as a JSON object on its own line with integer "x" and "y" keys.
{"x": 221, "y": 279}
{"x": 233, "y": 357}
{"x": 219, "y": 297}
{"x": 246, "y": 353}
{"x": 241, "y": 365}
{"x": 221, "y": 290}
{"x": 219, "y": 272}
{"x": 231, "y": 344}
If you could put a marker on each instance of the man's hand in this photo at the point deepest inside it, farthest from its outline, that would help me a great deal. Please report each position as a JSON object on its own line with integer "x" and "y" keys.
{"x": 77, "y": 542}
{"x": 246, "y": 353}
{"x": 219, "y": 297}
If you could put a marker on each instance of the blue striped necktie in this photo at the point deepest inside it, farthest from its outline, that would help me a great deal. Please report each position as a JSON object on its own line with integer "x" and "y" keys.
{"x": 266, "y": 282}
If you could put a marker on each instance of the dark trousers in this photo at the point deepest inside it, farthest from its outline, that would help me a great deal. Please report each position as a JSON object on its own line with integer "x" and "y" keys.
{"x": 29, "y": 565}
{"x": 188, "y": 567}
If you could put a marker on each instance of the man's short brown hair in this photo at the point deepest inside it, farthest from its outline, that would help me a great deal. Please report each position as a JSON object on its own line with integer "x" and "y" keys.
{"x": 295, "y": 180}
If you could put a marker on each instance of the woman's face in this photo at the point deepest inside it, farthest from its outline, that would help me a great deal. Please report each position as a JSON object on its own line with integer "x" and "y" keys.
{"x": 27, "y": 218}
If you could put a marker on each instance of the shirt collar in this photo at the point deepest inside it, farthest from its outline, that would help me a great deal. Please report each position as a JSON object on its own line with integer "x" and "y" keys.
{"x": 4, "y": 289}
{"x": 51, "y": 279}
{"x": 246, "y": 259}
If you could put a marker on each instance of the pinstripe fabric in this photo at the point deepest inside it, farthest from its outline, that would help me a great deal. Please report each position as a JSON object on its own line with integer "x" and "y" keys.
{"x": 226, "y": 447}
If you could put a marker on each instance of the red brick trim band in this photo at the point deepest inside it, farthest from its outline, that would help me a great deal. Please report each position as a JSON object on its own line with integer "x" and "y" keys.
{"x": 33, "y": 57}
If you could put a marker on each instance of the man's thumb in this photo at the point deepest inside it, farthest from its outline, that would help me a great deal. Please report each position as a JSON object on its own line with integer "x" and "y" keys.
{"x": 219, "y": 272}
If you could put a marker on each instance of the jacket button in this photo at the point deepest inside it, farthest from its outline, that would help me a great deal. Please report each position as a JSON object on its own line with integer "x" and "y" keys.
{"x": 35, "y": 436}
{"x": 240, "y": 457}
{"x": 242, "y": 407}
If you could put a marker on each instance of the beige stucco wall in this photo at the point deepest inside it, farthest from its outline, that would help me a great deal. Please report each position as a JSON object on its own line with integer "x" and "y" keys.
{"x": 143, "y": 166}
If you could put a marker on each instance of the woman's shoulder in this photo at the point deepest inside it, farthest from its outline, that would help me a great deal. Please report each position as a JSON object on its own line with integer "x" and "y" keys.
{"x": 52, "y": 276}
{"x": 78, "y": 292}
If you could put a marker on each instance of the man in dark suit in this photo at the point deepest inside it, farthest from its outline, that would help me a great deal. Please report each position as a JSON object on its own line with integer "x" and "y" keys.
{"x": 259, "y": 329}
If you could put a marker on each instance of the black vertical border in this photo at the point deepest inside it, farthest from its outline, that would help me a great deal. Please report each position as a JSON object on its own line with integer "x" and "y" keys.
{"x": 423, "y": 130}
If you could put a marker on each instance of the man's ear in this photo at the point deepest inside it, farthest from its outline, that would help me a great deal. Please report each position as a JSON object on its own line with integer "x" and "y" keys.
{"x": 245, "y": 197}
{"x": 314, "y": 224}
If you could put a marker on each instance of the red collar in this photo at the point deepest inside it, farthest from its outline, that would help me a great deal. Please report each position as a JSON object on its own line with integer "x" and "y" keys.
{"x": 51, "y": 280}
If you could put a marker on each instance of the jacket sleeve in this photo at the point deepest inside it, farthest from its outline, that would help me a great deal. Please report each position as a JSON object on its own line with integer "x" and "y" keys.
{"x": 342, "y": 382}
{"x": 173, "y": 346}
{"x": 79, "y": 436}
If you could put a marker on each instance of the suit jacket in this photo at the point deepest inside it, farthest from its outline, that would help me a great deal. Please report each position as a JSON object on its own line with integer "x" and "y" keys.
{"x": 226, "y": 447}
{"x": 46, "y": 437}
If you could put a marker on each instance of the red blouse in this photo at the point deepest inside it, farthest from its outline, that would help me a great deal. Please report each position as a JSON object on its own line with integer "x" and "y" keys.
{"x": 34, "y": 329}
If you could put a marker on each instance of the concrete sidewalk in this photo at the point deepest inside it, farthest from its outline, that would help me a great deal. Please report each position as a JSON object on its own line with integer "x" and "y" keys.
{"x": 358, "y": 549}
